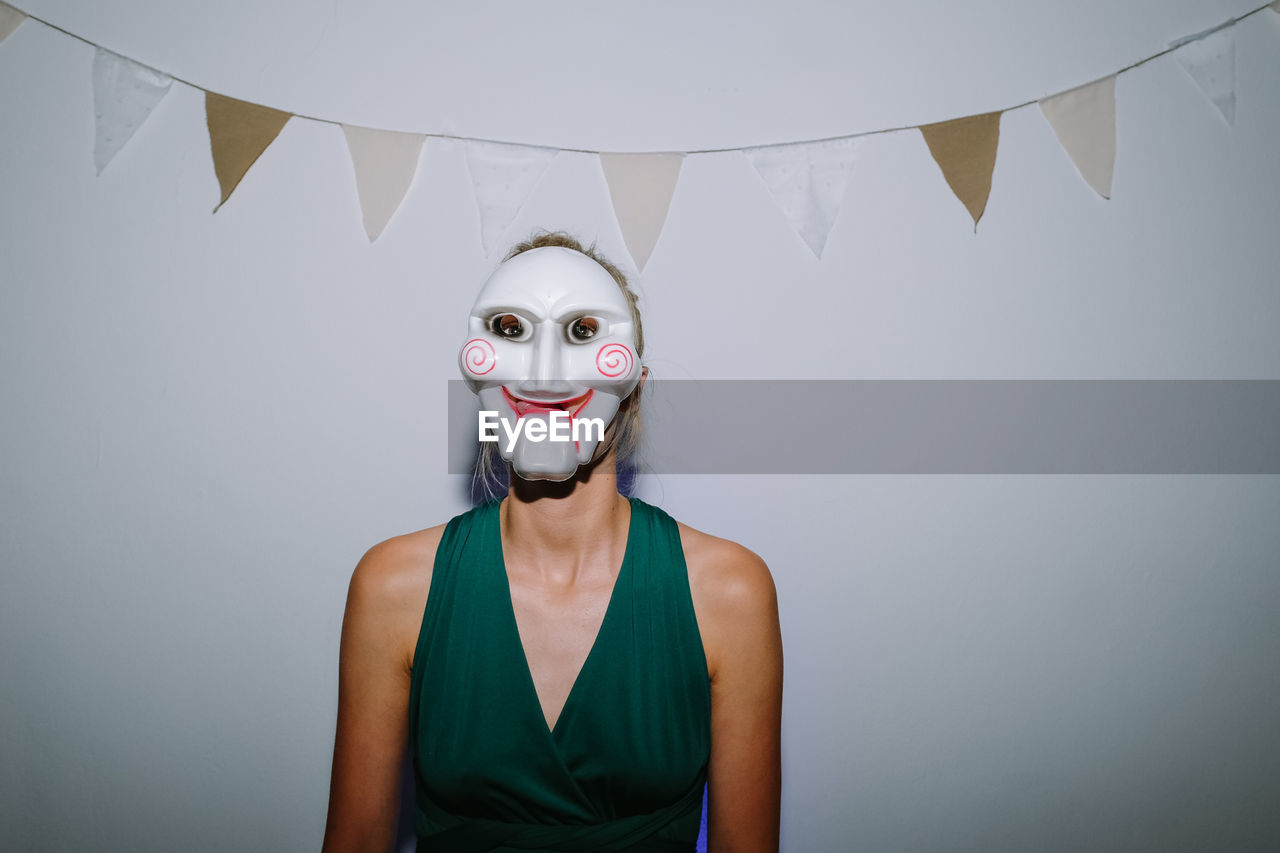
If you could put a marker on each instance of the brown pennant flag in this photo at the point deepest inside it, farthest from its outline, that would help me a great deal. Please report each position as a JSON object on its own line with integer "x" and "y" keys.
{"x": 965, "y": 150}
{"x": 238, "y": 134}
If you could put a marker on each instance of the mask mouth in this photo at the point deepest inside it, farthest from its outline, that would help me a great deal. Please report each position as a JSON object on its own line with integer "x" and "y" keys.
{"x": 522, "y": 406}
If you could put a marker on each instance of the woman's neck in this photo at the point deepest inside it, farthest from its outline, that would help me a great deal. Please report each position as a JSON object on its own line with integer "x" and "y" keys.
{"x": 559, "y": 529}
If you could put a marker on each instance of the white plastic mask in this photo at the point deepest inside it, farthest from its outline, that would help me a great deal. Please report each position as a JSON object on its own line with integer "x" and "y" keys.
{"x": 550, "y": 332}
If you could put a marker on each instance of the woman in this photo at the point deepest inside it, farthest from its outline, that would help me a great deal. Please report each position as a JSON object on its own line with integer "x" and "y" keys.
{"x": 567, "y": 666}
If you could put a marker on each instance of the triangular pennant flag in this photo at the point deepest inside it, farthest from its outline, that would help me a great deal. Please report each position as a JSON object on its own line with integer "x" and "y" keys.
{"x": 965, "y": 150}
{"x": 1084, "y": 119}
{"x": 238, "y": 134}
{"x": 1211, "y": 62}
{"x": 808, "y": 181}
{"x": 385, "y": 162}
{"x": 124, "y": 94}
{"x": 10, "y": 19}
{"x": 641, "y": 187}
{"x": 502, "y": 177}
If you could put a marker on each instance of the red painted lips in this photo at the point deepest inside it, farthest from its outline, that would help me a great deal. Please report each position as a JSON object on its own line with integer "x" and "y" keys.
{"x": 522, "y": 406}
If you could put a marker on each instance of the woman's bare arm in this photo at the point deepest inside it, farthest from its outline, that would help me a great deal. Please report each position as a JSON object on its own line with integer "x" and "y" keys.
{"x": 378, "y": 630}
{"x": 738, "y": 618}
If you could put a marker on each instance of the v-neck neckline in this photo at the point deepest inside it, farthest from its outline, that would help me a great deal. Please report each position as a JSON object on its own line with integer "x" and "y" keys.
{"x": 532, "y": 687}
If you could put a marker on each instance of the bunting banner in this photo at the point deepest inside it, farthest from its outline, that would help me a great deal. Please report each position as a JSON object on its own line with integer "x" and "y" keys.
{"x": 238, "y": 134}
{"x": 1084, "y": 119}
{"x": 641, "y": 187}
{"x": 965, "y": 150}
{"x": 385, "y": 162}
{"x": 502, "y": 177}
{"x": 807, "y": 181}
{"x": 1211, "y": 62}
{"x": 10, "y": 20}
{"x": 124, "y": 94}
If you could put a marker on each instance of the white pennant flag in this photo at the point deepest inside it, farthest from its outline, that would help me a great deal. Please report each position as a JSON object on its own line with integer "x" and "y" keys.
{"x": 807, "y": 180}
{"x": 124, "y": 94}
{"x": 1084, "y": 119}
{"x": 641, "y": 187}
{"x": 385, "y": 162}
{"x": 503, "y": 176}
{"x": 10, "y": 18}
{"x": 1211, "y": 62}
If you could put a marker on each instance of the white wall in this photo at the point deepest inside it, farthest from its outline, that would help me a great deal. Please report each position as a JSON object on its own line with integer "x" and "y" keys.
{"x": 208, "y": 419}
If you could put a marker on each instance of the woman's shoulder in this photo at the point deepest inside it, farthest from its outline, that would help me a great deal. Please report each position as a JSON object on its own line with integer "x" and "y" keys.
{"x": 402, "y": 564}
{"x": 398, "y": 560}
{"x": 722, "y": 567}
{"x": 390, "y": 583}
{"x": 732, "y": 588}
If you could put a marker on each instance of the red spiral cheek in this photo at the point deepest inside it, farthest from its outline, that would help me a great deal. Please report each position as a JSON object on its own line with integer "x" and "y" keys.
{"x": 614, "y": 360}
{"x": 478, "y": 356}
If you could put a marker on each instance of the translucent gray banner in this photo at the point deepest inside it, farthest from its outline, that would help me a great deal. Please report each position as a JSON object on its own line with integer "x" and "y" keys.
{"x": 942, "y": 427}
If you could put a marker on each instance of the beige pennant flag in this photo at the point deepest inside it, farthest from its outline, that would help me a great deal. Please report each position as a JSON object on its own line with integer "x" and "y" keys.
{"x": 641, "y": 187}
{"x": 10, "y": 19}
{"x": 238, "y": 134}
{"x": 385, "y": 162}
{"x": 1084, "y": 119}
{"x": 965, "y": 150}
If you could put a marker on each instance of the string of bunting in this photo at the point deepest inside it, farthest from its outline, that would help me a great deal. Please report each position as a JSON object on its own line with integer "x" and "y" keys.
{"x": 806, "y": 179}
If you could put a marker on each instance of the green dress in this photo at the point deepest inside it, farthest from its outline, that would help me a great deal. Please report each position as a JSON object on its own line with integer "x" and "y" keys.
{"x": 625, "y": 765}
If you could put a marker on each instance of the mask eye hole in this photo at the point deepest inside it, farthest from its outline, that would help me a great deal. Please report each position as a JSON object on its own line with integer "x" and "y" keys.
{"x": 508, "y": 326}
{"x": 583, "y": 329}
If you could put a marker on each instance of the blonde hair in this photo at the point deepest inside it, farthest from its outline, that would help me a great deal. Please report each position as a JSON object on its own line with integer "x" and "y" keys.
{"x": 491, "y": 476}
